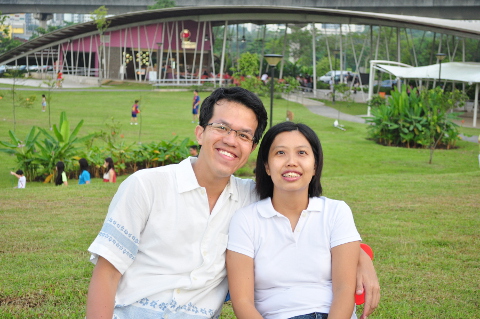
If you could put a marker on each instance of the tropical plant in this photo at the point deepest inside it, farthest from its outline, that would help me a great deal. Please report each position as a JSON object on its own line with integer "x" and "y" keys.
{"x": 418, "y": 119}
{"x": 63, "y": 145}
{"x": 24, "y": 151}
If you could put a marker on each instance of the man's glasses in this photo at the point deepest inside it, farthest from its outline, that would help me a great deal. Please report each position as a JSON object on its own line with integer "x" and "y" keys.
{"x": 223, "y": 129}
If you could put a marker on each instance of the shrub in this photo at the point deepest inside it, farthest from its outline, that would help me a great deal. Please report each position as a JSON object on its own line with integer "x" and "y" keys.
{"x": 416, "y": 119}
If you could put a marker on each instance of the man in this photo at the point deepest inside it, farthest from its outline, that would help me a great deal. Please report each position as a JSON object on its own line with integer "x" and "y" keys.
{"x": 193, "y": 150}
{"x": 161, "y": 250}
{"x": 195, "y": 106}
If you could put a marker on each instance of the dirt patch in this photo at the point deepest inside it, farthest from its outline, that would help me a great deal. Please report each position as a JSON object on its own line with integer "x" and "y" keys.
{"x": 30, "y": 300}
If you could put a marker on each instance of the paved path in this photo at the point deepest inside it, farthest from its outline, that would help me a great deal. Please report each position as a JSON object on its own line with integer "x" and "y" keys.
{"x": 320, "y": 108}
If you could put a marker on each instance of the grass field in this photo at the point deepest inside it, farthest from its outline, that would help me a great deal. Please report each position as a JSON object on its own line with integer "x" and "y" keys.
{"x": 421, "y": 220}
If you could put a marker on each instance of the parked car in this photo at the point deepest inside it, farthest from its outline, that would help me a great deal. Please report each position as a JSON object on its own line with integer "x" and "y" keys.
{"x": 387, "y": 83}
{"x": 326, "y": 78}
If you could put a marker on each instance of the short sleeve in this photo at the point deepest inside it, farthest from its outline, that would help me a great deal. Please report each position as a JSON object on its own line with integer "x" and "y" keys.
{"x": 119, "y": 238}
{"x": 240, "y": 235}
{"x": 344, "y": 229}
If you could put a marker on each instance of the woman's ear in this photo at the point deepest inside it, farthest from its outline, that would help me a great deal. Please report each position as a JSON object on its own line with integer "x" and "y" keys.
{"x": 267, "y": 169}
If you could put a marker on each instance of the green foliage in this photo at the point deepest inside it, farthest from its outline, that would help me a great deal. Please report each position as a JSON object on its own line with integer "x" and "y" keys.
{"x": 100, "y": 19}
{"x": 416, "y": 120}
{"x": 63, "y": 145}
{"x": 248, "y": 65}
{"x": 161, "y": 4}
{"x": 323, "y": 66}
{"x": 24, "y": 151}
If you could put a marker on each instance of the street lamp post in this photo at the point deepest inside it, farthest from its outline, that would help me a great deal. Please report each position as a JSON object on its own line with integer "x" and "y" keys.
{"x": 272, "y": 60}
{"x": 335, "y": 52}
{"x": 440, "y": 57}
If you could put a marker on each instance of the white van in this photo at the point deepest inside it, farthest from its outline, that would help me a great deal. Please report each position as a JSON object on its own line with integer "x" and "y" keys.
{"x": 326, "y": 78}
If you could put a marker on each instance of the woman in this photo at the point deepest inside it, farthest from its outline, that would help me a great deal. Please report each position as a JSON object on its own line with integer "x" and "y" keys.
{"x": 293, "y": 254}
{"x": 84, "y": 177}
{"x": 61, "y": 175}
{"x": 110, "y": 176}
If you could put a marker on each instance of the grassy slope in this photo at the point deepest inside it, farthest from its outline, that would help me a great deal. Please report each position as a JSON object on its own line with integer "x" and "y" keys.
{"x": 422, "y": 220}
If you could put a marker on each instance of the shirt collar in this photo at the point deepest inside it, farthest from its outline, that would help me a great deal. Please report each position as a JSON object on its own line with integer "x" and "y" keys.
{"x": 266, "y": 210}
{"x": 187, "y": 180}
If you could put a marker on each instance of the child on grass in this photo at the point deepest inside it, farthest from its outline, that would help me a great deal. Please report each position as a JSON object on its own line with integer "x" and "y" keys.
{"x": 22, "y": 181}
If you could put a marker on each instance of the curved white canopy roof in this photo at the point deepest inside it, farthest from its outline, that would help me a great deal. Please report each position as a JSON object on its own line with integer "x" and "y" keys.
{"x": 451, "y": 71}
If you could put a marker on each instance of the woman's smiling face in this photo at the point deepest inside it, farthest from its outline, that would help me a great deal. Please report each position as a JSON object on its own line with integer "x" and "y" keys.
{"x": 291, "y": 163}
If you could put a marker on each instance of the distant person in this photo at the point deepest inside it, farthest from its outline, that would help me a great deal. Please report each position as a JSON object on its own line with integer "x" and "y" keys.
{"x": 264, "y": 78}
{"x": 349, "y": 80}
{"x": 356, "y": 84}
{"x": 135, "y": 111}
{"x": 59, "y": 79}
{"x": 84, "y": 177}
{"x": 61, "y": 175}
{"x": 193, "y": 149}
{"x": 44, "y": 102}
{"x": 110, "y": 176}
{"x": 22, "y": 180}
{"x": 195, "y": 106}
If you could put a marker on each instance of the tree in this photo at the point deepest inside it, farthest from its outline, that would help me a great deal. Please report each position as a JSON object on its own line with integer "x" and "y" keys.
{"x": 6, "y": 43}
{"x": 161, "y": 4}
{"x": 100, "y": 19}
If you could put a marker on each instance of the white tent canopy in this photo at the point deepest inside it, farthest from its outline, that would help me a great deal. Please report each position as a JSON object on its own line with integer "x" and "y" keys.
{"x": 452, "y": 71}
{"x": 468, "y": 72}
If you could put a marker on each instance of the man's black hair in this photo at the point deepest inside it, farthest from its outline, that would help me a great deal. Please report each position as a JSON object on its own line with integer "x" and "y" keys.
{"x": 238, "y": 95}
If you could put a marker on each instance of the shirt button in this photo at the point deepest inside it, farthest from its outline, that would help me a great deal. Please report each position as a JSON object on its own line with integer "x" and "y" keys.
{"x": 203, "y": 191}
{"x": 204, "y": 253}
{"x": 178, "y": 291}
{"x": 194, "y": 278}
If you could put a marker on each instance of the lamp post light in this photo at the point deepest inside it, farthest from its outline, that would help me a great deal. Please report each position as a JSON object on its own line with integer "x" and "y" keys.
{"x": 335, "y": 52}
{"x": 272, "y": 60}
{"x": 440, "y": 57}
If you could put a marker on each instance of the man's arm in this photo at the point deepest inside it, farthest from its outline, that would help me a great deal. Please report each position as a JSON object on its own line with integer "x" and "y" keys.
{"x": 367, "y": 280}
{"x": 102, "y": 289}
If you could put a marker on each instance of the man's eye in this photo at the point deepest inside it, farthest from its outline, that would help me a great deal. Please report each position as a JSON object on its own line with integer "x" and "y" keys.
{"x": 223, "y": 128}
{"x": 244, "y": 136}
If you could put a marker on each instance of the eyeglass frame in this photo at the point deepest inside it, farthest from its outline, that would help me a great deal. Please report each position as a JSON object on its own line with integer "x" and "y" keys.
{"x": 229, "y": 130}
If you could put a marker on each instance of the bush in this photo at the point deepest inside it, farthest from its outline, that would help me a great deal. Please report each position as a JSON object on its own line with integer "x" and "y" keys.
{"x": 415, "y": 120}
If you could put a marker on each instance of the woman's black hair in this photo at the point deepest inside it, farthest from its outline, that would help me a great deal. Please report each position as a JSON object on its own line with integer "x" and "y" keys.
{"x": 264, "y": 185}
{"x": 110, "y": 163}
{"x": 238, "y": 95}
{"x": 83, "y": 164}
{"x": 60, "y": 169}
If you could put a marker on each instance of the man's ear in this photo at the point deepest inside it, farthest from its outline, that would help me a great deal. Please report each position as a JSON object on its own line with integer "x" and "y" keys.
{"x": 199, "y": 130}
{"x": 254, "y": 146}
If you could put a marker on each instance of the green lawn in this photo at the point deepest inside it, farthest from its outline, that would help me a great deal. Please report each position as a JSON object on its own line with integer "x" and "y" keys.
{"x": 421, "y": 220}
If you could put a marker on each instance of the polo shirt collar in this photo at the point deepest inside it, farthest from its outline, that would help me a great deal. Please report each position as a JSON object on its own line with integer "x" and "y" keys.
{"x": 266, "y": 210}
{"x": 187, "y": 181}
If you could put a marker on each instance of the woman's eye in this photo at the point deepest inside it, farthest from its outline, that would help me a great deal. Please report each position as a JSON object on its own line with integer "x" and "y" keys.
{"x": 302, "y": 152}
{"x": 280, "y": 152}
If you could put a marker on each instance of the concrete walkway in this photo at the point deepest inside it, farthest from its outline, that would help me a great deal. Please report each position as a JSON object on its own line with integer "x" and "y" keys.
{"x": 317, "y": 107}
